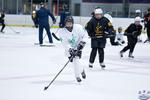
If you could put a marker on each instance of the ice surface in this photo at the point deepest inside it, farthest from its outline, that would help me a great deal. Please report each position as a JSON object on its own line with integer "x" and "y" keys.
{"x": 25, "y": 69}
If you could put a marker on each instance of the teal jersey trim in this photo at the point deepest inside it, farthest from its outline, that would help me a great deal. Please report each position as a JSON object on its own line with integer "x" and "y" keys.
{"x": 73, "y": 40}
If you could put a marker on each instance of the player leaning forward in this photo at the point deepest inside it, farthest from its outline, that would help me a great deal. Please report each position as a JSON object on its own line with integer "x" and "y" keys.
{"x": 132, "y": 32}
{"x": 97, "y": 28}
{"x": 73, "y": 38}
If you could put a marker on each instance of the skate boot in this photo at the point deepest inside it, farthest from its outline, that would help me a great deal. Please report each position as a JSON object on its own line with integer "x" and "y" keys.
{"x": 102, "y": 65}
{"x": 121, "y": 53}
{"x": 90, "y": 65}
{"x": 83, "y": 75}
{"x": 78, "y": 79}
{"x": 2, "y": 32}
{"x": 130, "y": 55}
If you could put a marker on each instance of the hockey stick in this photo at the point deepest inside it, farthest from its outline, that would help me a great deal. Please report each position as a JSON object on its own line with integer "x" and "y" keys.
{"x": 108, "y": 36}
{"x": 45, "y": 88}
{"x": 96, "y": 37}
{"x": 146, "y": 40}
{"x": 54, "y": 35}
{"x": 13, "y": 30}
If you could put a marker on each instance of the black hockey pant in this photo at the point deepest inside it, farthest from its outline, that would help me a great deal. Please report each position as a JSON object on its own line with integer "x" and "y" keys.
{"x": 3, "y": 26}
{"x": 130, "y": 46}
{"x": 93, "y": 55}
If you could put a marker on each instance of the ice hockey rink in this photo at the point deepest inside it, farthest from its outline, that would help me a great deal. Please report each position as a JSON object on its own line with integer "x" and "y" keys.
{"x": 25, "y": 69}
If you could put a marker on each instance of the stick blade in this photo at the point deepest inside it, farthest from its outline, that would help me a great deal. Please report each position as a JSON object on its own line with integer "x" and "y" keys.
{"x": 55, "y": 37}
{"x": 45, "y": 88}
{"x": 17, "y": 32}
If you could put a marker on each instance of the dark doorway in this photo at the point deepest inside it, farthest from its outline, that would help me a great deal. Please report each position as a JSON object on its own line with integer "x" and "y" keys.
{"x": 125, "y": 8}
{"x": 77, "y": 10}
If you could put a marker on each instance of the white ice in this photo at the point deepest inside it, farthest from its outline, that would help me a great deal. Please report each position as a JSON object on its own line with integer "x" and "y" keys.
{"x": 25, "y": 69}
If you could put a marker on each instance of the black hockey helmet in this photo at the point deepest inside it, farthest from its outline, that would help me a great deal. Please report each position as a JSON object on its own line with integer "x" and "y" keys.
{"x": 69, "y": 19}
{"x": 119, "y": 28}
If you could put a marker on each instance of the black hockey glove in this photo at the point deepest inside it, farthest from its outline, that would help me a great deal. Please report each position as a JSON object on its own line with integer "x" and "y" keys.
{"x": 112, "y": 32}
{"x": 36, "y": 25}
{"x": 118, "y": 39}
{"x": 134, "y": 33}
{"x": 81, "y": 45}
{"x": 109, "y": 34}
{"x": 72, "y": 54}
{"x": 60, "y": 25}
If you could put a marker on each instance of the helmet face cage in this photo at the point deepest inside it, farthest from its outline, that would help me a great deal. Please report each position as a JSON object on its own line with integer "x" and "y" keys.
{"x": 137, "y": 19}
{"x": 98, "y": 11}
{"x": 69, "y": 19}
{"x": 119, "y": 28}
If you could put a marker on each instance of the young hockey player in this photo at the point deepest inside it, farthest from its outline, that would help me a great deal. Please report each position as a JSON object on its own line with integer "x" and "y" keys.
{"x": 119, "y": 36}
{"x": 132, "y": 32}
{"x": 147, "y": 24}
{"x": 97, "y": 28}
{"x": 2, "y": 21}
{"x": 73, "y": 39}
{"x": 42, "y": 17}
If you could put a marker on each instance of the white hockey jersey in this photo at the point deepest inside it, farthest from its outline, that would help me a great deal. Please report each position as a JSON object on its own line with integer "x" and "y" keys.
{"x": 72, "y": 39}
{"x": 119, "y": 37}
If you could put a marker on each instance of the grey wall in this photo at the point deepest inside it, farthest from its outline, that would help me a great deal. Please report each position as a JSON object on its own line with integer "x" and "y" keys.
{"x": 73, "y": 2}
{"x": 116, "y": 9}
{"x": 10, "y": 7}
{"x": 142, "y": 7}
{"x": 87, "y": 8}
{"x": 0, "y": 5}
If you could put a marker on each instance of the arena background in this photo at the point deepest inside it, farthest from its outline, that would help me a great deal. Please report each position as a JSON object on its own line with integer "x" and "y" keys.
{"x": 117, "y": 8}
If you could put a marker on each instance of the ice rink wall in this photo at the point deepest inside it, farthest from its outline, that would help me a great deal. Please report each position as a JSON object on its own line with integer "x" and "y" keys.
{"x": 26, "y": 21}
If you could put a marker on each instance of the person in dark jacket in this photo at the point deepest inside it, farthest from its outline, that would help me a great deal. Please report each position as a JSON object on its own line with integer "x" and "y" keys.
{"x": 2, "y": 21}
{"x": 132, "y": 32}
{"x": 97, "y": 28}
{"x": 63, "y": 16}
{"x": 42, "y": 17}
{"x": 147, "y": 23}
